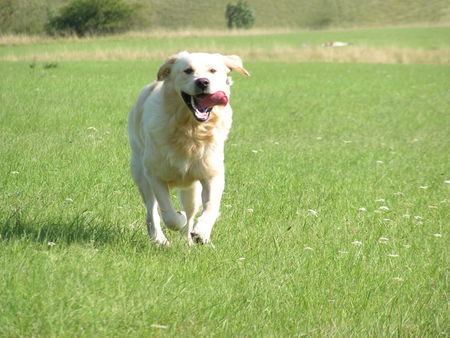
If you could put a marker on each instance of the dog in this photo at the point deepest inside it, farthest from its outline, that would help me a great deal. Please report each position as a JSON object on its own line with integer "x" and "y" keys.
{"x": 177, "y": 130}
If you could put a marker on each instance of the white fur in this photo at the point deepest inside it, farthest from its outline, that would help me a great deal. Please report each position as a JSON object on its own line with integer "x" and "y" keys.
{"x": 170, "y": 148}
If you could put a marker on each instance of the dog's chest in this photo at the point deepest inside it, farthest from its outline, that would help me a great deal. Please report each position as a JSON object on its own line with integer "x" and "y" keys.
{"x": 187, "y": 157}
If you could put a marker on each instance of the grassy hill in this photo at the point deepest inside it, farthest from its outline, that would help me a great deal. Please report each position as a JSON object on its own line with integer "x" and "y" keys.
{"x": 178, "y": 14}
{"x": 300, "y": 13}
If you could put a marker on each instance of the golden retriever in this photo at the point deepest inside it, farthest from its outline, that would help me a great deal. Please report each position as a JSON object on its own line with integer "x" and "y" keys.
{"x": 177, "y": 131}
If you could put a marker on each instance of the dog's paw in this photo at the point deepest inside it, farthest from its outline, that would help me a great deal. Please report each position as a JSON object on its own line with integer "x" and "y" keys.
{"x": 161, "y": 241}
{"x": 175, "y": 221}
{"x": 181, "y": 220}
{"x": 199, "y": 238}
{"x": 157, "y": 236}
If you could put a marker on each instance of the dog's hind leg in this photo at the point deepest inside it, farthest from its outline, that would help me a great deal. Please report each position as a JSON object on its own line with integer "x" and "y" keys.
{"x": 174, "y": 220}
{"x": 191, "y": 200}
{"x": 153, "y": 219}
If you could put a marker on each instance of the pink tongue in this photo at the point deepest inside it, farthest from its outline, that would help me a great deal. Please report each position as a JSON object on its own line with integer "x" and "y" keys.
{"x": 210, "y": 100}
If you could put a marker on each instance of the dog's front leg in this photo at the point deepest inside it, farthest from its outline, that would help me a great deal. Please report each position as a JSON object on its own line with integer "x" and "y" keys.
{"x": 174, "y": 220}
{"x": 211, "y": 196}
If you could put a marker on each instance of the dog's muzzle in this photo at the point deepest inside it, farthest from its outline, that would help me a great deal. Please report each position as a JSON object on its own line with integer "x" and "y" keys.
{"x": 201, "y": 105}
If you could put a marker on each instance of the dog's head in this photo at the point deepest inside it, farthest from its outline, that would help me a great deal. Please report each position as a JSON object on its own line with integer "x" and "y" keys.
{"x": 201, "y": 80}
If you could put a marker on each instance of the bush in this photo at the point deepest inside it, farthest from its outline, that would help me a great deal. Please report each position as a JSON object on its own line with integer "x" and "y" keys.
{"x": 91, "y": 17}
{"x": 239, "y": 15}
{"x": 15, "y": 17}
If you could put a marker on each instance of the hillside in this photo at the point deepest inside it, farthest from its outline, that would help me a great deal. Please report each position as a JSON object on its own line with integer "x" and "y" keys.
{"x": 300, "y": 13}
{"x": 178, "y": 14}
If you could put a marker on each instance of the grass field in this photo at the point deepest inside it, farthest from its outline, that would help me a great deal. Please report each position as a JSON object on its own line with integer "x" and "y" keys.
{"x": 180, "y": 14}
{"x": 334, "y": 218}
{"x": 408, "y": 45}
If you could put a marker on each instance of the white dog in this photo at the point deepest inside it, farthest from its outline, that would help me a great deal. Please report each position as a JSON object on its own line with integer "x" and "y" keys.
{"x": 177, "y": 131}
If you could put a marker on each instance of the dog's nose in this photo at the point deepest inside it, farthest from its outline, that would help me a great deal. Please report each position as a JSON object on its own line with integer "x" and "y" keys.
{"x": 202, "y": 83}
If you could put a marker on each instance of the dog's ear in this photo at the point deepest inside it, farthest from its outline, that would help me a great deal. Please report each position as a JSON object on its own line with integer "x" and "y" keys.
{"x": 164, "y": 70}
{"x": 234, "y": 62}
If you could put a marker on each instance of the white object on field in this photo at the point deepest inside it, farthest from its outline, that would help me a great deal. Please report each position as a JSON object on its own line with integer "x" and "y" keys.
{"x": 313, "y": 212}
{"x": 335, "y": 44}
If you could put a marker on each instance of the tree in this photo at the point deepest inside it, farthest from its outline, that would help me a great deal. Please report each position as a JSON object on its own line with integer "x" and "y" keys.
{"x": 239, "y": 15}
{"x": 91, "y": 17}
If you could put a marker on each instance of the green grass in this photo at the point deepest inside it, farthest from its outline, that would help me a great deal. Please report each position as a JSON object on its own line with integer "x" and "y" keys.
{"x": 426, "y": 38}
{"x": 305, "y": 137}
{"x": 296, "y": 13}
{"x": 409, "y": 45}
{"x": 204, "y": 14}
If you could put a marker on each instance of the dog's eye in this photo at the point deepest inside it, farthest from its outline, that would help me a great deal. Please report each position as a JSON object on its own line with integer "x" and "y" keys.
{"x": 189, "y": 70}
{"x": 212, "y": 70}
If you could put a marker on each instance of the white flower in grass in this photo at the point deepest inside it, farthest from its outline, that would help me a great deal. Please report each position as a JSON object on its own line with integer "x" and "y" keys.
{"x": 383, "y": 239}
{"x": 159, "y": 326}
{"x": 255, "y": 151}
{"x": 398, "y": 193}
{"x": 387, "y": 220}
{"x": 379, "y": 162}
{"x": 241, "y": 259}
{"x": 68, "y": 200}
{"x": 423, "y": 187}
{"x": 393, "y": 255}
{"x": 51, "y": 243}
{"x": 357, "y": 243}
{"x": 418, "y": 217}
{"x": 380, "y": 200}
{"x": 92, "y": 128}
{"x": 308, "y": 248}
{"x": 362, "y": 209}
{"x": 447, "y": 181}
{"x": 383, "y": 207}
{"x": 250, "y": 210}
{"x": 14, "y": 172}
{"x": 437, "y": 235}
{"x": 312, "y": 212}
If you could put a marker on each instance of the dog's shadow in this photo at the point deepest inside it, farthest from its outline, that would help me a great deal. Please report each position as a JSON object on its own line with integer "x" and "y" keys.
{"x": 76, "y": 230}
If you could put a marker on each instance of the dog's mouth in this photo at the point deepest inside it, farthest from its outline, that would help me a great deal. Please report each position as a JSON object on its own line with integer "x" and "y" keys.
{"x": 201, "y": 105}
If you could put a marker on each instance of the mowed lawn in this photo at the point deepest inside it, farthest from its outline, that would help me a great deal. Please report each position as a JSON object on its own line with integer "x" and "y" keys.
{"x": 334, "y": 219}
